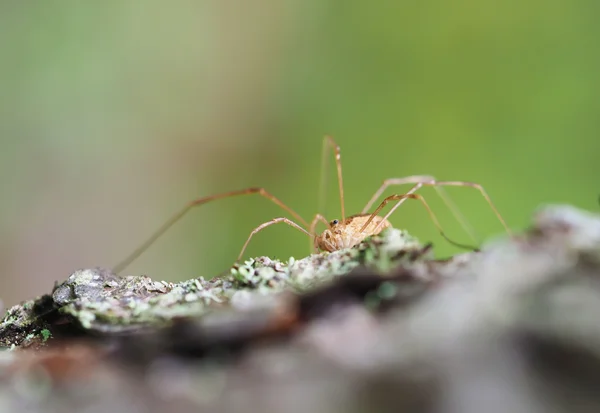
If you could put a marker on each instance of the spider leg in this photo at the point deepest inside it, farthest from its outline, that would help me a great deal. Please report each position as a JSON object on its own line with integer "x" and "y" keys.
{"x": 265, "y": 225}
{"x": 328, "y": 142}
{"x": 427, "y": 180}
{"x": 313, "y": 226}
{"x": 413, "y": 179}
{"x": 438, "y": 184}
{"x": 197, "y": 202}
{"x": 402, "y": 197}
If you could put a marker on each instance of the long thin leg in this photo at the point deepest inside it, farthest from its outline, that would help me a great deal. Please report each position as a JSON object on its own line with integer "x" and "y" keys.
{"x": 401, "y": 197}
{"x": 419, "y": 181}
{"x": 462, "y": 183}
{"x": 266, "y": 224}
{"x": 413, "y": 179}
{"x": 313, "y": 226}
{"x": 200, "y": 201}
{"x": 327, "y": 143}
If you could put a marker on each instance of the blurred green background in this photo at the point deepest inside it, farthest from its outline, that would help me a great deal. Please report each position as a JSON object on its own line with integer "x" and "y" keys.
{"x": 115, "y": 113}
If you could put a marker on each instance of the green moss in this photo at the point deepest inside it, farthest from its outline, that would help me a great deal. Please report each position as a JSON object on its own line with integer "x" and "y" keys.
{"x": 46, "y": 334}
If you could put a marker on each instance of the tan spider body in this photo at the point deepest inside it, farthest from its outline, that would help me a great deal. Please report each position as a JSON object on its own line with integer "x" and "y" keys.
{"x": 347, "y": 234}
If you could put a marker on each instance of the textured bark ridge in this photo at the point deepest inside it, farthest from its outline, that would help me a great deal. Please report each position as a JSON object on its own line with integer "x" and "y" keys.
{"x": 380, "y": 327}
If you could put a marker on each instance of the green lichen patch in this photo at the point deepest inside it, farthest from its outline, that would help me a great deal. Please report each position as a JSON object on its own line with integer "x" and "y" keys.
{"x": 382, "y": 253}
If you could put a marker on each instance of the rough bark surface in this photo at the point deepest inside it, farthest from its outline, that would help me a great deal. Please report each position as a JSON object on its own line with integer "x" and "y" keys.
{"x": 381, "y": 327}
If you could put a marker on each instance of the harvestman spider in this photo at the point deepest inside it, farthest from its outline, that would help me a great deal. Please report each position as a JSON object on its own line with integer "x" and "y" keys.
{"x": 345, "y": 232}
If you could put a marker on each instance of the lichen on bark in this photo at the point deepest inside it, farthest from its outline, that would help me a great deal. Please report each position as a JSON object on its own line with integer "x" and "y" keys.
{"x": 381, "y": 328}
{"x": 98, "y": 301}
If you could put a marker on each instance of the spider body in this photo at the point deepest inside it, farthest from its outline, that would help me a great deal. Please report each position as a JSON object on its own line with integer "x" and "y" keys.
{"x": 347, "y": 233}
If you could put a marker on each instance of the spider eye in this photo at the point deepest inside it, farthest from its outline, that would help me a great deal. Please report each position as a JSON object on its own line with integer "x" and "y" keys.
{"x": 335, "y": 222}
